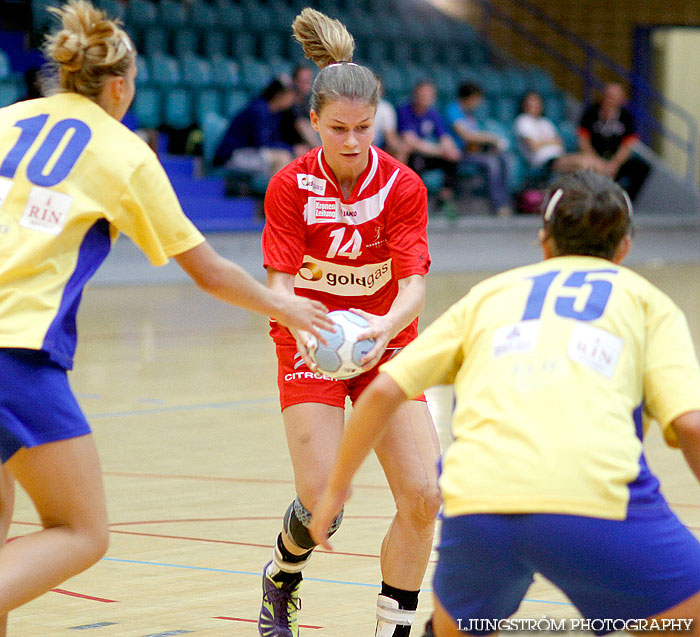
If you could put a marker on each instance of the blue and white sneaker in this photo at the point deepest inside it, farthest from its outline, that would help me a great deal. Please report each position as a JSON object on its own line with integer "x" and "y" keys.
{"x": 280, "y": 603}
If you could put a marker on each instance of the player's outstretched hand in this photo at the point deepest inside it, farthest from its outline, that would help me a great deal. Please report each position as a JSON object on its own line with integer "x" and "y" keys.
{"x": 297, "y": 312}
{"x": 380, "y": 329}
{"x": 323, "y": 515}
{"x": 306, "y": 343}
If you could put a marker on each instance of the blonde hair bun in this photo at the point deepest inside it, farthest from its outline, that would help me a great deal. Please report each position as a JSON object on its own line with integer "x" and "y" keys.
{"x": 69, "y": 50}
{"x": 87, "y": 49}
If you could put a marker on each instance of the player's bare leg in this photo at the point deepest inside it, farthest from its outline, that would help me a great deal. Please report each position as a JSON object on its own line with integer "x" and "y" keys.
{"x": 7, "y": 506}
{"x": 64, "y": 480}
{"x": 408, "y": 452}
{"x": 313, "y": 434}
{"x": 688, "y": 609}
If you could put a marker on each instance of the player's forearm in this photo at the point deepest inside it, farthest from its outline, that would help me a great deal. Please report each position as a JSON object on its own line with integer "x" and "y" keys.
{"x": 280, "y": 281}
{"x": 408, "y": 304}
{"x": 227, "y": 281}
{"x": 230, "y": 283}
{"x": 687, "y": 428}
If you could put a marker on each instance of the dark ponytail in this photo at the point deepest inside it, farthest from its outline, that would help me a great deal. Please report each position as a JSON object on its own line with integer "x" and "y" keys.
{"x": 587, "y": 214}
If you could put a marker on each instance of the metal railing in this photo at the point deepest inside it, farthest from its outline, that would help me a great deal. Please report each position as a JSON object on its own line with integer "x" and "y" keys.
{"x": 586, "y": 71}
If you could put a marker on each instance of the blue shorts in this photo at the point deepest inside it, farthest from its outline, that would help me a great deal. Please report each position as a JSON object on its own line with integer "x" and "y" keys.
{"x": 36, "y": 402}
{"x": 609, "y": 569}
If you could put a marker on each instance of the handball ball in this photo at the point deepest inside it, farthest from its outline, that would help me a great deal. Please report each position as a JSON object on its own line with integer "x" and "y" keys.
{"x": 340, "y": 357}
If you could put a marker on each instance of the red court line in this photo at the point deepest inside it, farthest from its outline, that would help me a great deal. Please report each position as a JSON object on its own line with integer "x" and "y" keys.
{"x": 250, "y": 518}
{"x": 208, "y": 540}
{"x": 255, "y": 621}
{"x": 90, "y": 597}
{"x": 230, "y": 542}
{"x": 126, "y": 474}
{"x": 185, "y": 520}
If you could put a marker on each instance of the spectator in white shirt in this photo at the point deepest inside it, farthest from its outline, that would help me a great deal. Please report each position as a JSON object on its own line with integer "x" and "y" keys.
{"x": 385, "y": 132}
{"x": 541, "y": 144}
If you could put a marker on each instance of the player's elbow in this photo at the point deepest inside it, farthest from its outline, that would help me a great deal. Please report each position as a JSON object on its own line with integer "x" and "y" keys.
{"x": 687, "y": 428}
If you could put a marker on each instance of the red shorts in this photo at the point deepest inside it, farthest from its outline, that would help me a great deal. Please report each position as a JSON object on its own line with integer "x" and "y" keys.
{"x": 298, "y": 384}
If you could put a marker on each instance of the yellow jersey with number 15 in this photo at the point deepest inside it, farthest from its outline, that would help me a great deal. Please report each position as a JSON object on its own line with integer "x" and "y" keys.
{"x": 71, "y": 178}
{"x": 551, "y": 365}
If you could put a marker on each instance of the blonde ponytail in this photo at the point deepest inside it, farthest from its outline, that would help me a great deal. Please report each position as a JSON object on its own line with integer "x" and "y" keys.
{"x": 324, "y": 40}
{"x": 330, "y": 46}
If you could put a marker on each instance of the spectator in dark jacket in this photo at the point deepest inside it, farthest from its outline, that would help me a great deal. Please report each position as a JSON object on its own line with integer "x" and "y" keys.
{"x": 253, "y": 142}
{"x": 607, "y": 131}
{"x": 296, "y": 125}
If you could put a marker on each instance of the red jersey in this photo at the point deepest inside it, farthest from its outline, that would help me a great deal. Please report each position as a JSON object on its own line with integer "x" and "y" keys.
{"x": 347, "y": 253}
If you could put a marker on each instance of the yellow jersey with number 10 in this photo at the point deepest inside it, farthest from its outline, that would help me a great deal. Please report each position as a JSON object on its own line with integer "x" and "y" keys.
{"x": 71, "y": 178}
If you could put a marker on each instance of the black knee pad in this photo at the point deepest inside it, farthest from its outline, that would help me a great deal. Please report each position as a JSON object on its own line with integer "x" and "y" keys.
{"x": 296, "y": 521}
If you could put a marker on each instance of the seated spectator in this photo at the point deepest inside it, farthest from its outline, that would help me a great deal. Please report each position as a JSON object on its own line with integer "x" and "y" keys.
{"x": 541, "y": 145}
{"x": 253, "y": 143}
{"x": 483, "y": 149}
{"x": 386, "y": 135}
{"x": 427, "y": 142}
{"x": 296, "y": 125}
{"x": 607, "y": 132}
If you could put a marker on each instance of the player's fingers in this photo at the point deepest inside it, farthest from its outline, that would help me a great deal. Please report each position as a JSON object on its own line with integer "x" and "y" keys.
{"x": 369, "y": 364}
{"x": 320, "y": 538}
{"x": 371, "y": 358}
{"x": 362, "y": 313}
{"x": 310, "y": 362}
{"x": 377, "y": 325}
{"x": 321, "y": 318}
{"x": 317, "y": 331}
{"x": 318, "y": 529}
{"x": 326, "y": 544}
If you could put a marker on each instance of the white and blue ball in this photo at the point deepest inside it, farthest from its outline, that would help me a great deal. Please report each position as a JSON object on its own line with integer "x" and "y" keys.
{"x": 341, "y": 355}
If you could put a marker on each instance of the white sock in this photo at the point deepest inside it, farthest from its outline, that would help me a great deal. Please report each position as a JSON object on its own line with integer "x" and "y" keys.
{"x": 279, "y": 564}
{"x": 389, "y": 615}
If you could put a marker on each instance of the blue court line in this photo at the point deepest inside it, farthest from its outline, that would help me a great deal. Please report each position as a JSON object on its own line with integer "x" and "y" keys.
{"x": 308, "y": 579}
{"x": 192, "y": 407}
{"x": 152, "y": 401}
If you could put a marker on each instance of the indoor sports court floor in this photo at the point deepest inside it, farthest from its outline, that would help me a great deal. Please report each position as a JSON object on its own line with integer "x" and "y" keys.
{"x": 181, "y": 393}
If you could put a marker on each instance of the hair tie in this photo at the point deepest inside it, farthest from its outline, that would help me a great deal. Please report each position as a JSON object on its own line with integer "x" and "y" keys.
{"x": 549, "y": 210}
{"x": 127, "y": 44}
{"x": 341, "y": 63}
{"x": 628, "y": 201}
{"x": 559, "y": 193}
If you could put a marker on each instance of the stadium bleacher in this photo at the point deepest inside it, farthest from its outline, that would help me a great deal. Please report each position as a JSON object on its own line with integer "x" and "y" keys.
{"x": 202, "y": 60}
